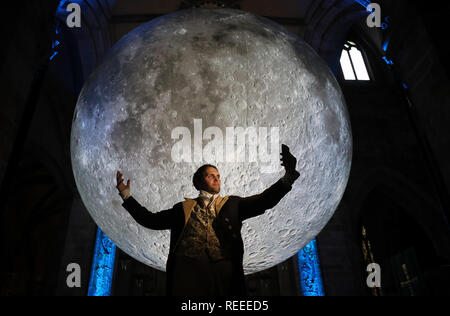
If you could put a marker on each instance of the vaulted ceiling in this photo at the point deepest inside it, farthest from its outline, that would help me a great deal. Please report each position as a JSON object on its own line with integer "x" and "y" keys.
{"x": 324, "y": 24}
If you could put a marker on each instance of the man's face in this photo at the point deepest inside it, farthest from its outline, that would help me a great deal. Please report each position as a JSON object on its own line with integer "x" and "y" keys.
{"x": 211, "y": 178}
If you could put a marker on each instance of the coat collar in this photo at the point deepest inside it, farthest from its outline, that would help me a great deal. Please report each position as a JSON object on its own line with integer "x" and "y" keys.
{"x": 189, "y": 204}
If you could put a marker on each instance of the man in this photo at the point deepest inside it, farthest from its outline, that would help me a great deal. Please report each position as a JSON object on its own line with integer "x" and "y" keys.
{"x": 206, "y": 246}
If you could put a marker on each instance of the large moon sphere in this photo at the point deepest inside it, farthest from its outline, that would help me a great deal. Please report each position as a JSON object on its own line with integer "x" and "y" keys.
{"x": 163, "y": 102}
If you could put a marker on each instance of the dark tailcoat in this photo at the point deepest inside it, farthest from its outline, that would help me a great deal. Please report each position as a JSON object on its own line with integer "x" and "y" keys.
{"x": 231, "y": 212}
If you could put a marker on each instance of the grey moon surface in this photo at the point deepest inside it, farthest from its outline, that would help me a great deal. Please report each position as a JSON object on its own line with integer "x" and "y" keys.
{"x": 227, "y": 68}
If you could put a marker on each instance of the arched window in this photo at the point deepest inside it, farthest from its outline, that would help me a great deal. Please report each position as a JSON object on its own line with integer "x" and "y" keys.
{"x": 352, "y": 63}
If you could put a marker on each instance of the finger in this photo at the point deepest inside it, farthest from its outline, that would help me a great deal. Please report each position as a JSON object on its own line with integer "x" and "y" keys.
{"x": 128, "y": 183}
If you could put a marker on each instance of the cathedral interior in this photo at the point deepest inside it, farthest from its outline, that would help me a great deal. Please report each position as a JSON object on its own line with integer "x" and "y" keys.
{"x": 396, "y": 206}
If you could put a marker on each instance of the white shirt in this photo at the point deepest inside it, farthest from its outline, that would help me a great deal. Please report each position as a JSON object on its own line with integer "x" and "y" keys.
{"x": 207, "y": 197}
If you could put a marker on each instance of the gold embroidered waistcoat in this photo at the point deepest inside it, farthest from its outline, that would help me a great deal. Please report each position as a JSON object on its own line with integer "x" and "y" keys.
{"x": 199, "y": 234}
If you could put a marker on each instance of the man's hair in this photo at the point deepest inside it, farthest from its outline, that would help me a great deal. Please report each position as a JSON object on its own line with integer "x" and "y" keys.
{"x": 197, "y": 180}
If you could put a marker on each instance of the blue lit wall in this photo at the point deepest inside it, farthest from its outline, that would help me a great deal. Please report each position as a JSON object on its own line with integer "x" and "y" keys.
{"x": 364, "y": 3}
{"x": 309, "y": 268}
{"x": 102, "y": 270}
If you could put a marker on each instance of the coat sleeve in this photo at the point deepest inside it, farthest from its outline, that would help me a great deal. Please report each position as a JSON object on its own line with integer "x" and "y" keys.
{"x": 256, "y": 205}
{"x": 158, "y": 221}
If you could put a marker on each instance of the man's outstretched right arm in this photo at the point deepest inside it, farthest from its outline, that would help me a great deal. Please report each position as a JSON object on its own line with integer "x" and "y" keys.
{"x": 157, "y": 221}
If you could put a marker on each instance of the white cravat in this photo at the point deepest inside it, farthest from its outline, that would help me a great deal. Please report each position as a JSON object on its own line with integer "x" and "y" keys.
{"x": 207, "y": 197}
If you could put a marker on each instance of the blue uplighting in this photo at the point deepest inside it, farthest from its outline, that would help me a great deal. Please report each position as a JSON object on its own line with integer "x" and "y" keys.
{"x": 102, "y": 270}
{"x": 389, "y": 62}
{"x": 364, "y": 3}
{"x": 55, "y": 42}
{"x": 53, "y": 56}
{"x": 62, "y": 3}
{"x": 309, "y": 268}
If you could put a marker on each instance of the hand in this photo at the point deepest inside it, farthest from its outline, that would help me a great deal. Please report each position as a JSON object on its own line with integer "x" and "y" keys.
{"x": 120, "y": 185}
{"x": 288, "y": 160}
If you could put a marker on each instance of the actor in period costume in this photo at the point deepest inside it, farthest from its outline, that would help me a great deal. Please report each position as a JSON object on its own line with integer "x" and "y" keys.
{"x": 206, "y": 246}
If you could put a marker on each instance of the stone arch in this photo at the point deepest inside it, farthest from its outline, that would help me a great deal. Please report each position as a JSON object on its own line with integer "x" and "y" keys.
{"x": 419, "y": 206}
{"x": 328, "y": 25}
{"x": 93, "y": 38}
